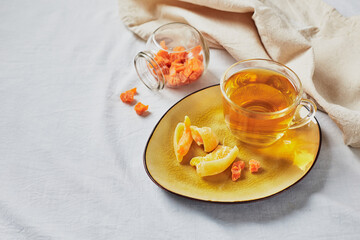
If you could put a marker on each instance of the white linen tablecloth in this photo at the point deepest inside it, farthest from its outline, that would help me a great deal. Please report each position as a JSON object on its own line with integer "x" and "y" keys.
{"x": 71, "y": 153}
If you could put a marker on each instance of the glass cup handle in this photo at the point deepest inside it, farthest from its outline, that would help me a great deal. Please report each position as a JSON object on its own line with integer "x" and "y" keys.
{"x": 311, "y": 107}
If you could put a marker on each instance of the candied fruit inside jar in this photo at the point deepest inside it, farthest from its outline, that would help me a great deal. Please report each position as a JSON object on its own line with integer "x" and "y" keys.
{"x": 176, "y": 54}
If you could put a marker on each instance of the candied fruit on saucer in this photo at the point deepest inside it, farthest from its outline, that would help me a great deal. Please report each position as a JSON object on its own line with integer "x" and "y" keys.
{"x": 254, "y": 165}
{"x": 236, "y": 170}
{"x": 182, "y": 139}
{"x": 204, "y": 136}
{"x": 215, "y": 162}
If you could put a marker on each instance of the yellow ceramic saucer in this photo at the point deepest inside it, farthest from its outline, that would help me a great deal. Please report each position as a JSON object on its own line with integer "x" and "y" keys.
{"x": 283, "y": 164}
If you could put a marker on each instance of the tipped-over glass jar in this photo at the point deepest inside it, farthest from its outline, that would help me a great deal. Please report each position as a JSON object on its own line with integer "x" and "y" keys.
{"x": 176, "y": 54}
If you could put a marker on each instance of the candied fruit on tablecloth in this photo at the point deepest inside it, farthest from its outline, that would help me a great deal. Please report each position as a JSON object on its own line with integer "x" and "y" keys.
{"x": 128, "y": 96}
{"x": 140, "y": 108}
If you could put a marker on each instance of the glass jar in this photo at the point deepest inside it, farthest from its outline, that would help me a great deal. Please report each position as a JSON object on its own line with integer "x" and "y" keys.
{"x": 176, "y": 54}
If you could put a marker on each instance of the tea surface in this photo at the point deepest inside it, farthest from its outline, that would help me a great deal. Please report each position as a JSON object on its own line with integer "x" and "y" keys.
{"x": 260, "y": 90}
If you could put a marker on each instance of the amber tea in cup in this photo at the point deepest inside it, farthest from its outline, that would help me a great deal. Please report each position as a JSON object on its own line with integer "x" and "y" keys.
{"x": 260, "y": 100}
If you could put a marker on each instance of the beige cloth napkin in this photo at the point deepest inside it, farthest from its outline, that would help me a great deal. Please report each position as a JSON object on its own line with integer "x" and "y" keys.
{"x": 312, "y": 38}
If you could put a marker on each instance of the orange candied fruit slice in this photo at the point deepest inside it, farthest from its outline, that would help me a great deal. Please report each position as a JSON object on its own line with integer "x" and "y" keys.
{"x": 236, "y": 170}
{"x": 185, "y": 140}
{"x": 254, "y": 165}
{"x": 128, "y": 96}
{"x": 141, "y": 108}
{"x": 204, "y": 136}
{"x": 182, "y": 139}
{"x": 215, "y": 162}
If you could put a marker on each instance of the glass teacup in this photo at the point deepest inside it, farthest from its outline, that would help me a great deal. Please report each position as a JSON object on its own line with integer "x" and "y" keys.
{"x": 260, "y": 99}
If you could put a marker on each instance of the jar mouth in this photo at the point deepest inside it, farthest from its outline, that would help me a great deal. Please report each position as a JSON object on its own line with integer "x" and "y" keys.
{"x": 293, "y": 78}
{"x": 169, "y": 27}
{"x": 149, "y": 71}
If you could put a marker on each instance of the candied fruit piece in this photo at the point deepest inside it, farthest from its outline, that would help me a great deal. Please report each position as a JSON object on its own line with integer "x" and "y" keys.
{"x": 141, "y": 108}
{"x": 216, "y": 162}
{"x": 163, "y": 45}
{"x": 236, "y": 170}
{"x": 128, "y": 96}
{"x": 254, "y": 165}
{"x": 182, "y": 139}
{"x": 204, "y": 136}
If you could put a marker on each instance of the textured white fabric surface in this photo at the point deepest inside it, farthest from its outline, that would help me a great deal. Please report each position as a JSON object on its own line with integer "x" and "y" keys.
{"x": 71, "y": 152}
